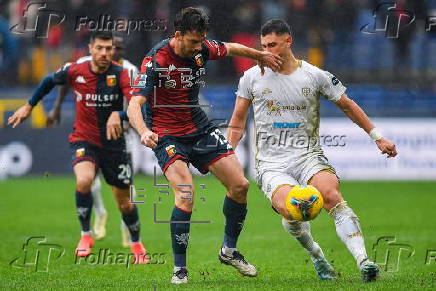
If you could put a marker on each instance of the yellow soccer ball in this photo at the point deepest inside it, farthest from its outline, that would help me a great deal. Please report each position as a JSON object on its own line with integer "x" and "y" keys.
{"x": 304, "y": 203}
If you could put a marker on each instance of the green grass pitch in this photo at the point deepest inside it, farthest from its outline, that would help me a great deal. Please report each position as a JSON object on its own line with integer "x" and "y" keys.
{"x": 44, "y": 206}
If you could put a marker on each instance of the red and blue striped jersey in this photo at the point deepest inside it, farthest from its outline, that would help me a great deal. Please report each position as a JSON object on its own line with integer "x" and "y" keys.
{"x": 97, "y": 96}
{"x": 171, "y": 85}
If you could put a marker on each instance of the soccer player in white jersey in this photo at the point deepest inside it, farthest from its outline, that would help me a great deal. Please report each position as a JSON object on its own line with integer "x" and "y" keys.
{"x": 99, "y": 227}
{"x": 286, "y": 118}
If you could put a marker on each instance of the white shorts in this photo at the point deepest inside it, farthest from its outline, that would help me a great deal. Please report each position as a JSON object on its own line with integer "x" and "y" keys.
{"x": 269, "y": 176}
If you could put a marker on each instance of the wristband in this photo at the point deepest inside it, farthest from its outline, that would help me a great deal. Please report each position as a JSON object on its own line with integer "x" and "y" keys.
{"x": 375, "y": 134}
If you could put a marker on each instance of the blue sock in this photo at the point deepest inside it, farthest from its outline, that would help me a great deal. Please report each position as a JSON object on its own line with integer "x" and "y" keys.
{"x": 235, "y": 215}
{"x": 180, "y": 235}
{"x": 131, "y": 220}
{"x": 84, "y": 208}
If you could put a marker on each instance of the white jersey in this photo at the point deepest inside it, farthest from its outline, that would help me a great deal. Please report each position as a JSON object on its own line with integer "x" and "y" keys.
{"x": 133, "y": 72}
{"x": 286, "y": 110}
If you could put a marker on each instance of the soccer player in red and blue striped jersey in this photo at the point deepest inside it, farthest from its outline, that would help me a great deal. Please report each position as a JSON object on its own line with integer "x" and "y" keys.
{"x": 180, "y": 133}
{"x": 97, "y": 141}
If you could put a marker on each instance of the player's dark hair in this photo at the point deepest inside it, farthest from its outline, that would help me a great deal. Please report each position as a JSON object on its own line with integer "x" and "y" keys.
{"x": 191, "y": 19}
{"x": 106, "y": 35}
{"x": 276, "y": 26}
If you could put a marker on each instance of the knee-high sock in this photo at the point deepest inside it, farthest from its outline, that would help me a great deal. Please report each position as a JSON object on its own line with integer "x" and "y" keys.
{"x": 96, "y": 195}
{"x": 235, "y": 216}
{"x": 348, "y": 229}
{"x": 131, "y": 220}
{"x": 301, "y": 232}
{"x": 84, "y": 207}
{"x": 180, "y": 235}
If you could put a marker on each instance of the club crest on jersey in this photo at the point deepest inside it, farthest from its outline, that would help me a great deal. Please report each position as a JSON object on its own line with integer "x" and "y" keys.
{"x": 199, "y": 60}
{"x": 306, "y": 91}
{"x": 266, "y": 91}
{"x": 111, "y": 80}
{"x": 80, "y": 152}
{"x": 171, "y": 151}
{"x": 273, "y": 106}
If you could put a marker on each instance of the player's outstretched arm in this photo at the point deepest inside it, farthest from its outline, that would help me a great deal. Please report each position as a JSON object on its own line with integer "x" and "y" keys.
{"x": 358, "y": 116}
{"x": 238, "y": 120}
{"x": 19, "y": 116}
{"x": 148, "y": 138}
{"x": 54, "y": 116}
{"x": 263, "y": 58}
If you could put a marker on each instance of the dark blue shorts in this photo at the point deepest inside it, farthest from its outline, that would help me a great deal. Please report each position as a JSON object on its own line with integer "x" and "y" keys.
{"x": 201, "y": 149}
{"x": 114, "y": 163}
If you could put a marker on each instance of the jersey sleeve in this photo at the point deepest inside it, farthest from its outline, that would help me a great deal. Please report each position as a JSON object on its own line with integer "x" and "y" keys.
{"x": 60, "y": 77}
{"x": 330, "y": 86}
{"x": 216, "y": 50}
{"x": 147, "y": 78}
{"x": 244, "y": 87}
{"x": 125, "y": 84}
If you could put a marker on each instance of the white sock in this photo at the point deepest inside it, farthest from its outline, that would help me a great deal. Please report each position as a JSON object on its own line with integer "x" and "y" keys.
{"x": 348, "y": 230}
{"x": 82, "y": 233}
{"x": 301, "y": 232}
{"x": 96, "y": 195}
{"x": 228, "y": 251}
{"x": 177, "y": 268}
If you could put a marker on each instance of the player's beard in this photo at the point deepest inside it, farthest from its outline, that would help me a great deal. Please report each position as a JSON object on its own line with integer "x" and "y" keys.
{"x": 102, "y": 65}
{"x": 189, "y": 53}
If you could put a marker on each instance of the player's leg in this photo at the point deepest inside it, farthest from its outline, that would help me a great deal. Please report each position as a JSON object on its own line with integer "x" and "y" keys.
{"x": 85, "y": 173}
{"x": 128, "y": 135}
{"x": 276, "y": 186}
{"x": 229, "y": 171}
{"x": 100, "y": 220}
{"x": 346, "y": 222}
{"x": 181, "y": 182}
{"x": 117, "y": 171}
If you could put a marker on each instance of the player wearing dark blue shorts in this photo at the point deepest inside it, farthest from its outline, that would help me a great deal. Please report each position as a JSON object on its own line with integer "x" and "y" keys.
{"x": 179, "y": 132}
{"x": 97, "y": 142}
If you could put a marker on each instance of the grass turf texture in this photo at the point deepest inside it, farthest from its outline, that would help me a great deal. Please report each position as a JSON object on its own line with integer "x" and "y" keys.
{"x": 45, "y": 207}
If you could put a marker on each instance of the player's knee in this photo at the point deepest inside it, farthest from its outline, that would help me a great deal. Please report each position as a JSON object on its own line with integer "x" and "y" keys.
{"x": 83, "y": 183}
{"x": 239, "y": 189}
{"x": 185, "y": 203}
{"x": 331, "y": 198}
{"x": 125, "y": 206}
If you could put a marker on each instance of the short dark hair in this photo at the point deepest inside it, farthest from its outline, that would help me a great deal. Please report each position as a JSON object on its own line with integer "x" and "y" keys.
{"x": 277, "y": 26}
{"x": 106, "y": 35}
{"x": 191, "y": 19}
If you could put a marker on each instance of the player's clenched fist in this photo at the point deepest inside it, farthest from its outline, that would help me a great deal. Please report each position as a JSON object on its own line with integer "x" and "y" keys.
{"x": 114, "y": 127}
{"x": 149, "y": 139}
{"x": 267, "y": 59}
{"x": 386, "y": 147}
{"x": 20, "y": 115}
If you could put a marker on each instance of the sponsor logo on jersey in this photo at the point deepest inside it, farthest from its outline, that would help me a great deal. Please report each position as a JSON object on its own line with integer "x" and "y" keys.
{"x": 277, "y": 108}
{"x": 80, "y": 152}
{"x": 273, "y": 107}
{"x": 171, "y": 151}
{"x": 111, "y": 80}
{"x": 287, "y": 124}
{"x": 101, "y": 97}
{"x": 80, "y": 79}
{"x": 305, "y": 91}
{"x": 199, "y": 60}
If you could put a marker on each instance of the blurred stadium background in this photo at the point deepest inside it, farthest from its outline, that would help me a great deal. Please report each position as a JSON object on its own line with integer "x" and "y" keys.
{"x": 393, "y": 79}
{"x": 389, "y": 77}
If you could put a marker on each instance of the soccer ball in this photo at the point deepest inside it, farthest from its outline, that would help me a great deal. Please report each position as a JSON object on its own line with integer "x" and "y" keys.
{"x": 304, "y": 203}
